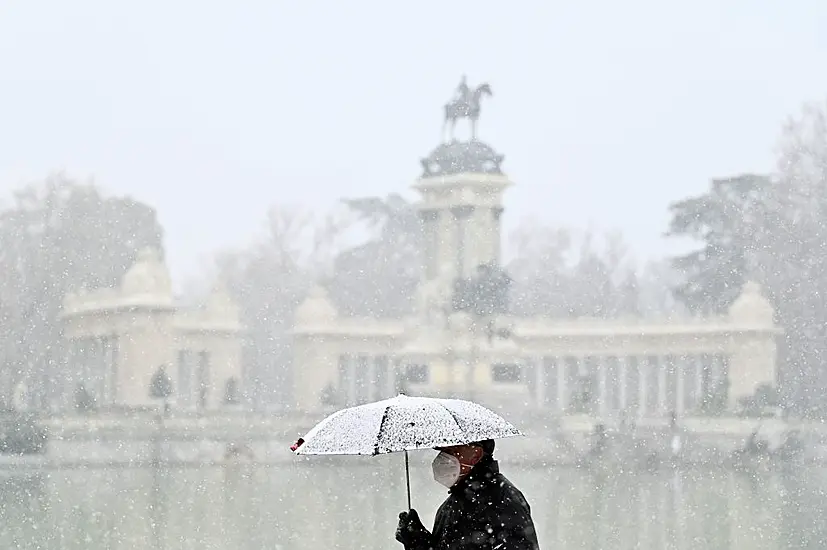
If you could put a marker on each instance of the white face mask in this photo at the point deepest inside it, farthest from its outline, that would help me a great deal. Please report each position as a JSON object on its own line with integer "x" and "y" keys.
{"x": 446, "y": 469}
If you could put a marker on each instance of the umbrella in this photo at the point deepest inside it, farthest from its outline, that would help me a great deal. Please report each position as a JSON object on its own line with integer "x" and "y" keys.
{"x": 403, "y": 424}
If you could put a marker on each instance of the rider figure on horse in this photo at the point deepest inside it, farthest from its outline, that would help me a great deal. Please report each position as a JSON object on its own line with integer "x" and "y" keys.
{"x": 462, "y": 90}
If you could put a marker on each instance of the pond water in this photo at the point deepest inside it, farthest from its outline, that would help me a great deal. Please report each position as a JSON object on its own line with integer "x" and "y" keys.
{"x": 327, "y": 506}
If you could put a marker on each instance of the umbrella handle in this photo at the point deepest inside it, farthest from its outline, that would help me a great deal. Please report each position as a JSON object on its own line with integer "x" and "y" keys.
{"x": 408, "y": 479}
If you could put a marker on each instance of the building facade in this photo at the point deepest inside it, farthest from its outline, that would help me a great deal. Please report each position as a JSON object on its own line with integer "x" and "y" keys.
{"x": 629, "y": 368}
{"x": 118, "y": 339}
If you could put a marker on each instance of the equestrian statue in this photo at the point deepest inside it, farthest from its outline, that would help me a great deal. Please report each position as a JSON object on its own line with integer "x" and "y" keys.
{"x": 465, "y": 104}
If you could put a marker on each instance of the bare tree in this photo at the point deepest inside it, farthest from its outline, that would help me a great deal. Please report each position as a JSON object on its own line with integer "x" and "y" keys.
{"x": 539, "y": 269}
{"x": 558, "y": 274}
{"x": 792, "y": 254}
{"x": 657, "y": 278}
{"x": 269, "y": 279}
{"x": 769, "y": 228}
{"x": 57, "y": 236}
{"x": 378, "y": 276}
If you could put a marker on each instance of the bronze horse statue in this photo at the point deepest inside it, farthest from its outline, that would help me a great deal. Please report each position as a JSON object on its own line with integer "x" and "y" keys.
{"x": 467, "y": 106}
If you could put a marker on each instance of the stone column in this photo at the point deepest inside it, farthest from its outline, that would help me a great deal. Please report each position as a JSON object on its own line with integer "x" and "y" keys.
{"x": 551, "y": 381}
{"x": 651, "y": 392}
{"x": 465, "y": 259}
{"x": 562, "y": 385}
{"x": 429, "y": 218}
{"x": 641, "y": 383}
{"x": 93, "y": 381}
{"x": 394, "y": 374}
{"x": 103, "y": 365}
{"x": 343, "y": 384}
{"x": 642, "y": 386}
{"x": 614, "y": 384}
{"x": 112, "y": 368}
{"x": 671, "y": 369}
{"x": 715, "y": 371}
{"x": 69, "y": 376}
{"x": 700, "y": 390}
{"x": 574, "y": 368}
{"x": 622, "y": 379}
{"x": 691, "y": 378}
{"x": 495, "y": 237}
{"x": 84, "y": 347}
{"x": 373, "y": 390}
{"x": 384, "y": 384}
{"x": 381, "y": 367}
{"x": 364, "y": 383}
{"x": 85, "y": 358}
{"x": 391, "y": 367}
{"x": 116, "y": 367}
{"x": 352, "y": 362}
{"x": 446, "y": 243}
{"x": 182, "y": 379}
{"x": 661, "y": 387}
{"x": 679, "y": 368}
{"x": 602, "y": 390}
{"x": 540, "y": 381}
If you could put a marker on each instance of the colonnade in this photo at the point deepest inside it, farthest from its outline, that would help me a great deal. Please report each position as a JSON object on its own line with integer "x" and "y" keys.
{"x": 637, "y": 386}
{"x": 648, "y": 386}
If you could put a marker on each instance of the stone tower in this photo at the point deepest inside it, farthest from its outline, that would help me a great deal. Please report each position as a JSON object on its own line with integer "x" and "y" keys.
{"x": 461, "y": 190}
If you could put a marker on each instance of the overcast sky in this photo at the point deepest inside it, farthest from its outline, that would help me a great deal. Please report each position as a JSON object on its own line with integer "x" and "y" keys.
{"x": 213, "y": 110}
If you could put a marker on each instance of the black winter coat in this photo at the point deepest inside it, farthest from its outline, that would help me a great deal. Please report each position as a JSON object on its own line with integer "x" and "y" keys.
{"x": 483, "y": 511}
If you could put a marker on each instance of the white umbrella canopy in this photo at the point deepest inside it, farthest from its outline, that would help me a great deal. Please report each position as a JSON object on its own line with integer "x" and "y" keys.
{"x": 402, "y": 424}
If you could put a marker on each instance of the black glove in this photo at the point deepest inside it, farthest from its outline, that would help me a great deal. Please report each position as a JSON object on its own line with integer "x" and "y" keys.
{"x": 411, "y": 533}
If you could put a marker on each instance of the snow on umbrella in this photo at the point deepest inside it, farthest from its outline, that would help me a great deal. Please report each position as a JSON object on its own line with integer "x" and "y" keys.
{"x": 403, "y": 424}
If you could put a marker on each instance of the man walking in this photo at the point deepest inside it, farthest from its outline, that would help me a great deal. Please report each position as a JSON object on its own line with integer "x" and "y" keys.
{"x": 483, "y": 509}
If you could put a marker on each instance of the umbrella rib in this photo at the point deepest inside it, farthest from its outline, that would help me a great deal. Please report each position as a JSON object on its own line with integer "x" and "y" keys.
{"x": 379, "y": 433}
{"x": 454, "y": 418}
